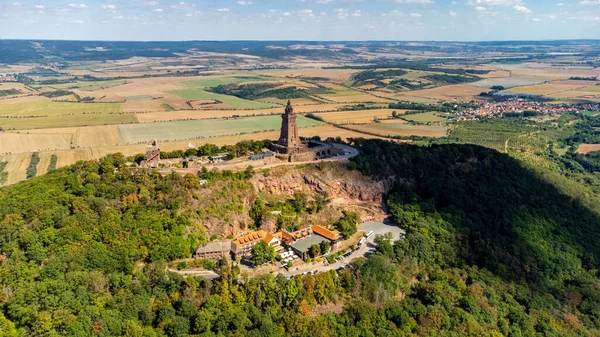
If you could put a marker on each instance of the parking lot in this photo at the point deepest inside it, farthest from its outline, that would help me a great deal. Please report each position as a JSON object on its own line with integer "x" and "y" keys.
{"x": 366, "y": 249}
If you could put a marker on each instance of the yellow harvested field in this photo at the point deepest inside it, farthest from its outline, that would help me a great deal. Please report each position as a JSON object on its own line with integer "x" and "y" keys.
{"x": 42, "y": 167}
{"x": 355, "y": 98}
{"x": 587, "y": 148}
{"x": 549, "y": 88}
{"x": 547, "y": 70}
{"x": 591, "y": 88}
{"x": 497, "y": 74}
{"x": 297, "y": 101}
{"x": 16, "y": 167}
{"x": 22, "y": 142}
{"x": 339, "y": 75}
{"x": 21, "y": 99}
{"x": 448, "y": 92}
{"x": 143, "y": 106}
{"x": 77, "y": 137}
{"x": 357, "y": 117}
{"x": 401, "y": 129}
{"x": 203, "y": 114}
{"x": 18, "y": 163}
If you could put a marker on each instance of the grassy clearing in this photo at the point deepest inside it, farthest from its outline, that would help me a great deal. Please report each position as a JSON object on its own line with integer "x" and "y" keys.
{"x": 426, "y": 117}
{"x": 235, "y": 102}
{"x": 215, "y": 82}
{"x": 49, "y": 114}
{"x": 181, "y": 130}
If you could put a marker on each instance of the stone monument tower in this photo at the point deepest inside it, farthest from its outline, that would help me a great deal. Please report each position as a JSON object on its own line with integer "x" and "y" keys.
{"x": 289, "y": 142}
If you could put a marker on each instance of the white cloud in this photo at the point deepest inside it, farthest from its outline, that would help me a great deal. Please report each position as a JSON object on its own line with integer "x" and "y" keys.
{"x": 560, "y": 4}
{"x": 158, "y": 10}
{"x": 74, "y": 5}
{"x": 413, "y": 1}
{"x": 76, "y": 21}
{"x": 589, "y": 2}
{"x": 415, "y": 15}
{"x": 112, "y": 7}
{"x": 152, "y": 3}
{"x": 244, "y": 3}
{"x": 223, "y": 10}
{"x": 16, "y": 4}
{"x": 357, "y": 13}
{"x": 522, "y": 9}
{"x": 394, "y": 13}
{"x": 39, "y": 6}
{"x": 480, "y": 8}
{"x": 536, "y": 19}
{"x": 451, "y": 13}
{"x": 287, "y": 14}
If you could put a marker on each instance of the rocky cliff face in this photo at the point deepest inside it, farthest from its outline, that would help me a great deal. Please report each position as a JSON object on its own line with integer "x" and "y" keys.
{"x": 343, "y": 186}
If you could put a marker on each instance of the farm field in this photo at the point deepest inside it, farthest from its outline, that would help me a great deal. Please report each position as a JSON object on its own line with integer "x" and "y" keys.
{"x": 20, "y": 143}
{"x": 426, "y": 117}
{"x": 449, "y": 92}
{"x": 181, "y": 130}
{"x": 337, "y": 75}
{"x": 509, "y": 82}
{"x": 16, "y": 167}
{"x": 216, "y": 81}
{"x": 235, "y": 102}
{"x": 47, "y": 114}
{"x": 225, "y": 113}
{"x": 549, "y": 88}
{"x": 89, "y": 85}
{"x": 401, "y": 129}
{"x": 358, "y": 116}
{"x": 587, "y": 148}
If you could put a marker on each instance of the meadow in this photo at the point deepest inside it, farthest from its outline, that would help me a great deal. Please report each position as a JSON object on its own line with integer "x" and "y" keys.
{"x": 208, "y": 128}
{"x": 89, "y": 85}
{"x": 49, "y": 114}
{"x": 425, "y": 117}
{"x": 401, "y": 129}
{"x": 358, "y": 116}
{"x": 234, "y": 102}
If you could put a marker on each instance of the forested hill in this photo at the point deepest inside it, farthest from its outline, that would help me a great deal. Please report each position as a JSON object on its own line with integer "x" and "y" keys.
{"x": 492, "y": 249}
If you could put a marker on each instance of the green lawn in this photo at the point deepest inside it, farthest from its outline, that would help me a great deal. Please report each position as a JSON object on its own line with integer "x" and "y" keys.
{"x": 215, "y": 82}
{"x": 49, "y": 114}
{"x": 235, "y": 102}
{"x": 206, "y": 128}
{"x": 426, "y": 117}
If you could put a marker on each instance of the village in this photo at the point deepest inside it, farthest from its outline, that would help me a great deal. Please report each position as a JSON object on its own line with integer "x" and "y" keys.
{"x": 494, "y": 109}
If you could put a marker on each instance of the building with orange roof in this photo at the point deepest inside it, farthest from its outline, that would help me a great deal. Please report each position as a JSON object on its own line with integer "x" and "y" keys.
{"x": 333, "y": 236}
{"x": 243, "y": 245}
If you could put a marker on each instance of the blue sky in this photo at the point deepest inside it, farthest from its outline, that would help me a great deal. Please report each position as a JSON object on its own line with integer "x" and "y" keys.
{"x": 299, "y": 19}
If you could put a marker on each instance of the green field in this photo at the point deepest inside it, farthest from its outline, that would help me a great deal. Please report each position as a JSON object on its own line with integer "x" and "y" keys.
{"x": 207, "y": 128}
{"x": 591, "y": 113}
{"x": 215, "y": 82}
{"x": 235, "y": 102}
{"x": 49, "y": 114}
{"x": 426, "y": 117}
{"x": 140, "y": 98}
{"x": 89, "y": 85}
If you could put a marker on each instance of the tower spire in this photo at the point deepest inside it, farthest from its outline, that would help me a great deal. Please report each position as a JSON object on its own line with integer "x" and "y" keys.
{"x": 288, "y": 109}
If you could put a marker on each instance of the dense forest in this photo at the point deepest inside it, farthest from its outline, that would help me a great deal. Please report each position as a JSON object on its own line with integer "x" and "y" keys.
{"x": 493, "y": 248}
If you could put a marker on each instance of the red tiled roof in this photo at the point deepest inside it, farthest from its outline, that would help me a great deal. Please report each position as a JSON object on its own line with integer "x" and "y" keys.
{"x": 324, "y": 232}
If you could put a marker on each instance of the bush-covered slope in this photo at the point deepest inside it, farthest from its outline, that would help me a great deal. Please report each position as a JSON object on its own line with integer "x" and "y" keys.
{"x": 493, "y": 249}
